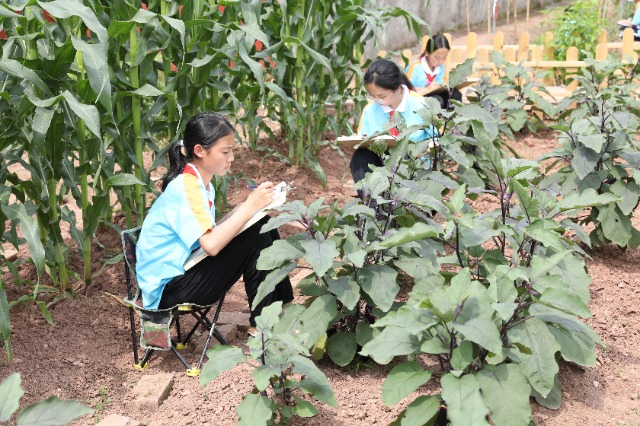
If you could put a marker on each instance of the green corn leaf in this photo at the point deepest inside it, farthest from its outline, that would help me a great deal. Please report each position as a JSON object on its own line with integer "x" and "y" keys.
{"x": 505, "y": 392}
{"x": 315, "y": 382}
{"x": 379, "y": 282}
{"x": 123, "y": 179}
{"x": 51, "y": 412}
{"x": 342, "y": 347}
{"x": 5, "y": 12}
{"x": 5, "y": 326}
{"x": 41, "y": 123}
{"x": 221, "y": 359}
{"x": 253, "y": 30}
{"x": 540, "y": 367}
{"x": 402, "y": 380}
{"x": 271, "y": 281}
{"x": 10, "y": 394}
{"x": 279, "y": 253}
{"x": 95, "y": 64}
{"x": 148, "y": 90}
{"x": 320, "y": 254}
{"x": 87, "y": 113}
{"x": 393, "y": 341}
{"x": 422, "y": 411}
{"x": 16, "y": 69}
{"x": 464, "y": 401}
{"x": 67, "y": 8}
{"x": 418, "y": 231}
{"x": 346, "y": 290}
{"x": 615, "y": 225}
{"x": 178, "y": 25}
{"x": 30, "y": 231}
{"x": 255, "y": 410}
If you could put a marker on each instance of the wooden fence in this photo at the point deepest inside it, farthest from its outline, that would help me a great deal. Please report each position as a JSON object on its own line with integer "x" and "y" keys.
{"x": 533, "y": 56}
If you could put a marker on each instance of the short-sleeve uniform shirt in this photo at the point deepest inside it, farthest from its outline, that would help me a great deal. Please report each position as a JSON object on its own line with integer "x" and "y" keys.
{"x": 171, "y": 231}
{"x": 421, "y": 75}
{"x": 375, "y": 116}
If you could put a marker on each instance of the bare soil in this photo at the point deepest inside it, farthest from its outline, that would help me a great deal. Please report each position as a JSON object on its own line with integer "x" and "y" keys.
{"x": 86, "y": 354}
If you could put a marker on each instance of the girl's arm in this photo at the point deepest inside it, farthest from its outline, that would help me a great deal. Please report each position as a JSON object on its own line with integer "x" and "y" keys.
{"x": 217, "y": 238}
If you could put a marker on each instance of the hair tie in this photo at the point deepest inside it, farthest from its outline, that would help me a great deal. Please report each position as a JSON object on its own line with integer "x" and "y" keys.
{"x": 181, "y": 143}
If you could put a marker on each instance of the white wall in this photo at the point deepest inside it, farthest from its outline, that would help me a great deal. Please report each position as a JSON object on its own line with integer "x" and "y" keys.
{"x": 445, "y": 15}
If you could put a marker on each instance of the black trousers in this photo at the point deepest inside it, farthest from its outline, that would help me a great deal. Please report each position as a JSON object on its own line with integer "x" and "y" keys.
{"x": 206, "y": 282}
{"x": 443, "y": 98}
{"x": 361, "y": 163}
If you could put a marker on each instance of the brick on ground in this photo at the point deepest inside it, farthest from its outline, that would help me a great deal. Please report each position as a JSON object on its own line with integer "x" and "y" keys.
{"x": 152, "y": 390}
{"x": 118, "y": 420}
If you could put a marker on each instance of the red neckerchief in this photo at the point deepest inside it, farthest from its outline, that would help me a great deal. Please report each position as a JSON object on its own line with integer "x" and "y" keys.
{"x": 430, "y": 78}
{"x": 393, "y": 131}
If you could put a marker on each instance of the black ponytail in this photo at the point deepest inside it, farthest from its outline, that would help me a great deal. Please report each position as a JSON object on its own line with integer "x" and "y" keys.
{"x": 436, "y": 42}
{"x": 386, "y": 74}
{"x": 203, "y": 129}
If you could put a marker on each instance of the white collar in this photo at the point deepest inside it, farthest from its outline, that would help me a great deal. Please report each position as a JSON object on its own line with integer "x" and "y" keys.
{"x": 426, "y": 67}
{"x": 403, "y": 103}
{"x": 207, "y": 188}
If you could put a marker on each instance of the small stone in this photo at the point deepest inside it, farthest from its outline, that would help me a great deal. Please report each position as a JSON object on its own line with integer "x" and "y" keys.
{"x": 596, "y": 383}
{"x": 634, "y": 396}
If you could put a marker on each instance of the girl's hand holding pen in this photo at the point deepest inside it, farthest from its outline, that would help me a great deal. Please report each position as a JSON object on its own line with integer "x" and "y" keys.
{"x": 261, "y": 196}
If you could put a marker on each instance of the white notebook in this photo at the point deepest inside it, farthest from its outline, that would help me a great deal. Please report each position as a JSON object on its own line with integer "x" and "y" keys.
{"x": 279, "y": 198}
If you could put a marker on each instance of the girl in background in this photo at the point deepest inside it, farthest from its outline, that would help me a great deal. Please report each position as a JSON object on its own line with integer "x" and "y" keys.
{"x": 430, "y": 68}
{"x": 389, "y": 91}
{"x": 182, "y": 220}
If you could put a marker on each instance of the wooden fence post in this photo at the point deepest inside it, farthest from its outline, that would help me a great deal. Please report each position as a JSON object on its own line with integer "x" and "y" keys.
{"x": 523, "y": 47}
{"x": 498, "y": 41}
{"x": 572, "y": 55}
{"x": 472, "y": 44}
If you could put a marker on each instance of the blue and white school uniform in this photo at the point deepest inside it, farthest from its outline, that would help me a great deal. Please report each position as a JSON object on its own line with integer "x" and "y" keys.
{"x": 636, "y": 22}
{"x": 375, "y": 116}
{"x": 182, "y": 214}
{"x": 421, "y": 75}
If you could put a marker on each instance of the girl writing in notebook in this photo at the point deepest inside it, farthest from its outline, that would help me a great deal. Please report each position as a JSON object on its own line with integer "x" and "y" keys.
{"x": 182, "y": 220}
{"x": 428, "y": 70}
{"x": 390, "y": 92}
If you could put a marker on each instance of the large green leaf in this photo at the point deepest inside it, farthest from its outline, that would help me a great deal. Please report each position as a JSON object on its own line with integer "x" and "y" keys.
{"x": 553, "y": 400}
{"x": 540, "y": 367}
{"x": 566, "y": 300}
{"x": 528, "y": 203}
{"x": 15, "y": 68}
{"x": 270, "y": 282}
{"x": 482, "y": 331}
{"x": 314, "y": 382}
{"x": 615, "y": 225}
{"x": 379, "y": 282}
{"x": 316, "y": 318}
{"x": 584, "y": 161}
{"x": 346, "y": 290}
{"x": 263, "y": 374}
{"x": 422, "y": 411}
{"x": 10, "y": 394}
{"x": 342, "y": 347}
{"x": 320, "y": 254}
{"x": 280, "y": 252}
{"x": 506, "y": 392}
{"x": 402, "y": 380}
{"x": 52, "y": 412}
{"x": 393, "y": 341}
{"x": 464, "y": 401}
{"x": 418, "y": 231}
{"x": 221, "y": 359}
{"x": 629, "y": 193}
{"x": 574, "y": 346}
{"x": 255, "y": 410}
